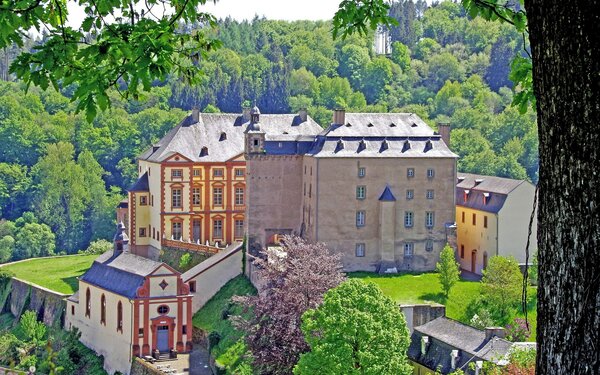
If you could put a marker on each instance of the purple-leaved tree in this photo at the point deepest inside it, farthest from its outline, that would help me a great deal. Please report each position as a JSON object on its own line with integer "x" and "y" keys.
{"x": 294, "y": 277}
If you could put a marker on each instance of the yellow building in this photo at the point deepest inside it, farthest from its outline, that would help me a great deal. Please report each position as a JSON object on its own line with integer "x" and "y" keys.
{"x": 192, "y": 185}
{"x": 129, "y": 306}
{"x": 492, "y": 218}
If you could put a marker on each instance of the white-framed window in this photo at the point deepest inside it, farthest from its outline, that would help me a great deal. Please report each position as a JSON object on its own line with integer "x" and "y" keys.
{"x": 361, "y": 171}
{"x": 408, "y": 219}
{"x": 218, "y": 228}
{"x": 196, "y": 197}
{"x": 218, "y": 172}
{"x": 197, "y": 172}
{"x": 361, "y": 192}
{"x": 239, "y": 172}
{"x": 410, "y": 172}
{"x": 429, "y": 245}
{"x": 143, "y": 200}
{"x": 238, "y": 230}
{"x": 430, "y": 173}
{"x": 429, "y": 219}
{"x": 409, "y": 249}
{"x": 410, "y": 194}
{"x": 176, "y": 173}
{"x": 176, "y": 198}
{"x": 239, "y": 196}
{"x": 360, "y": 249}
{"x": 430, "y": 194}
{"x": 360, "y": 218}
{"x": 218, "y": 196}
{"x": 176, "y": 230}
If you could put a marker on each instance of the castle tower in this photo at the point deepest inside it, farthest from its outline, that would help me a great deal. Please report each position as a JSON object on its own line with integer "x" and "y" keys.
{"x": 387, "y": 228}
{"x": 255, "y": 137}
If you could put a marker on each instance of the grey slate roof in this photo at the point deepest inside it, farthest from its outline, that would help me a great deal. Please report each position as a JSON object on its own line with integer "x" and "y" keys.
{"x": 122, "y": 274}
{"x": 381, "y": 135}
{"x": 490, "y": 184}
{"x": 141, "y": 184}
{"x": 189, "y": 138}
{"x": 446, "y": 335}
{"x": 381, "y": 125}
{"x": 497, "y": 189}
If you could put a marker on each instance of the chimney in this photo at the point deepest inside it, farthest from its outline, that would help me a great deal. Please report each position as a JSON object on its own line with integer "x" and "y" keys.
{"x": 121, "y": 240}
{"x": 494, "y": 331}
{"x": 444, "y": 130}
{"x": 303, "y": 114}
{"x": 246, "y": 113}
{"x": 339, "y": 116}
{"x": 195, "y": 114}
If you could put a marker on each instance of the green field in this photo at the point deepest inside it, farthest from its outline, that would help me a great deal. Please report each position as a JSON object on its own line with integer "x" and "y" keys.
{"x": 55, "y": 273}
{"x": 425, "y": 288}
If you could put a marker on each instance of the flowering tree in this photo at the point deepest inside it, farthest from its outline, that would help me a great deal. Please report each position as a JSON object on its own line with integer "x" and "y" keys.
{"x": 296, "y": 276}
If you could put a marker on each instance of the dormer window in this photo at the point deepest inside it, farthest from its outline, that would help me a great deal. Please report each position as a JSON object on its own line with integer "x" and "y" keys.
{"x": 424, "y": 344}
{"x": 406, "y": 146}
{"x": 392, "y": 125}
{"x": 486, "y": 198}
{"x": 223, "y": 136}
{"x": 466, "y": 195}
{"x": 428, "y": 146}
{"x": 369, "y": 125}
{"x": 453, "y": 359}
{"x": 384, "y": 146}
{"x": 204, "y": 151}
{"x": 414, "y": 125}
{"x": 339, "y": 146}
{"x": 361, "y": 146}
{"x": 348, "y": 125}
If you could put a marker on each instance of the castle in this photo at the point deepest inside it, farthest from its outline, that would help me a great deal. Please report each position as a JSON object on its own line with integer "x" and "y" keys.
{"x": 376, "y": 187}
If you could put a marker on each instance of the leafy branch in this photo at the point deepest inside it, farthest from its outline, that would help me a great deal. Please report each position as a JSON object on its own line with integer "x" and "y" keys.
{"x": 126, "y": 53}
{"x": 521, "y": 68}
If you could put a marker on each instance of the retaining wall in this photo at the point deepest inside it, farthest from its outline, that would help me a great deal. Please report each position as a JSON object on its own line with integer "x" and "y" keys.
{"x": 20, "y": 296}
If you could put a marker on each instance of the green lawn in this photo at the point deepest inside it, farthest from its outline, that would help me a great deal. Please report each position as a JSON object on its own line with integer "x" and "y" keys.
{"x": 231, "y": 348}
{"x": 55, "y": 273}
{"x": 425, "y": 287}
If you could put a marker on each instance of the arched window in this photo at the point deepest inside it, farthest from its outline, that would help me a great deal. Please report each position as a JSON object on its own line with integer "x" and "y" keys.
{"x": 120, "y": 317}
{"x": 88, "y": 303}
{"x": 103, "y": 310}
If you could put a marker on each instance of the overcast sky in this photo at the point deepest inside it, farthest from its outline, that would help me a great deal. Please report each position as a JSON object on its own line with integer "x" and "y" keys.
{"x": 274, "y": 9}
{"x": 247, "y": 9}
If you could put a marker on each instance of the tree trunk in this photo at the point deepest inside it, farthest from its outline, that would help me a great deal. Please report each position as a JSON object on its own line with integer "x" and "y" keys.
{"x": 566, "y": 73}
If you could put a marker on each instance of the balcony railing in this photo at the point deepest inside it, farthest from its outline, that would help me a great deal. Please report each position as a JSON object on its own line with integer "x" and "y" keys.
{"x": 190, "y": 246}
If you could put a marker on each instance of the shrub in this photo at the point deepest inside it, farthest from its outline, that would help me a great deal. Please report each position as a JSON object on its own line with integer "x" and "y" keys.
{"x": 98, "y": 247}
{"x": 184, "y": 261}
{"x": 213, "y": 339}
{"x": 517, "y": 331}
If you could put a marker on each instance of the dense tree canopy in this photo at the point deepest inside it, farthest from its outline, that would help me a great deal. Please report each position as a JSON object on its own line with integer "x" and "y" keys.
{"x": 284, "y": 66}
{"x": 357, "y": 330}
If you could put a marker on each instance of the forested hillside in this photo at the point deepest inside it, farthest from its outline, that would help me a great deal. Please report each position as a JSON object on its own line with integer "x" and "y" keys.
{"x": 444, "y": 66}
